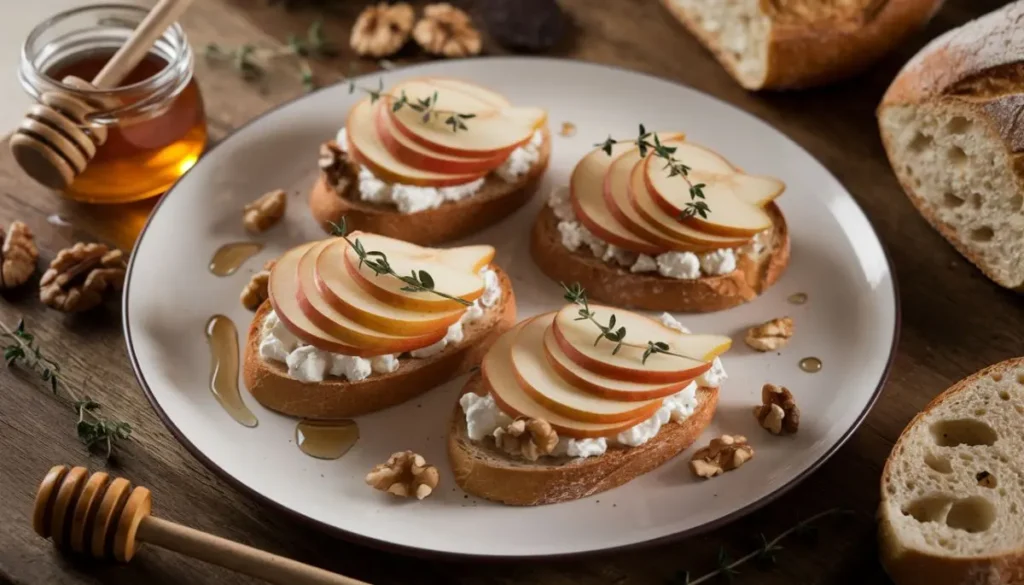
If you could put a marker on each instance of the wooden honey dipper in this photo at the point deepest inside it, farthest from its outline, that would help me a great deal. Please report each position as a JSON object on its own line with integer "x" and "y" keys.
{"x": 56, "y": 141}
{"x": 108, "y": 517}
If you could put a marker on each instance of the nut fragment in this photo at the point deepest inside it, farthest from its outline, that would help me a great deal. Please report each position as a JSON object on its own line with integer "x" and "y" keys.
{"x": 445, "y": 30}
{"x": 18, "y": 255}
{"x": 266, "y": 211}
{"x": 335, "y": 166}
{"x": 723, "y": 454}
{"x": 529, "y": 438}
{"x": 81, "y": 276}
{"x": 778, "y": 412}
{"x": 771, "y": 335}
{"x": 256, "y": 292}
{"x": 405, "y": 474}
{"x": 382, "y": 29}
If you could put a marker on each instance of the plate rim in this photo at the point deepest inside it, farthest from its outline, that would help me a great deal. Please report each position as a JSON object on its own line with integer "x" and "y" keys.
{"x": 426, "y": 553}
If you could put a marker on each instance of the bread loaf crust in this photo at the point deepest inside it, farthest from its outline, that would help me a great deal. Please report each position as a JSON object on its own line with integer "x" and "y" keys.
{"x": 495, "y": 201}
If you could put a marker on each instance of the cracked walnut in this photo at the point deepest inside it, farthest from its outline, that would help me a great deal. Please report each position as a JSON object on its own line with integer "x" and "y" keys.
{"x": 405, "y": 474}
{"x": 263, "y": 213}
{"x": 771, "y": 335}
{"x": 80, "y": 277}
{"x": 18, "y": 255}
{"x": 723, "y": 454}
{"x": 445, "y": 30}
{"x": 778, "y": 412}
{"x": 529, "y": 438}
{"x": 382, "y": 29}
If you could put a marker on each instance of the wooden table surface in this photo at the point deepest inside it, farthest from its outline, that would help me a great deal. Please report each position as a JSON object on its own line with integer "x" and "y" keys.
{"x": 954, "y": 322}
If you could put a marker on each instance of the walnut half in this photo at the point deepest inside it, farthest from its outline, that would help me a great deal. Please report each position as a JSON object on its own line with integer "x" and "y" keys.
{"x": 405, "y": 474}
{"x": 382, "y": 29}
{"x": 771, "y": 335}
{"x": 445, "y": 30}
{"x": 81, "y": 276}
{"x": 778, "y": 412}
{"x": 723, "y": 454}
{"x": 335, "y": 166}
{"x": 262, "y": 214}
{"x": 18, "y": 255}
{"x": 529, "y": 438}
{"x": 257, "y": 291}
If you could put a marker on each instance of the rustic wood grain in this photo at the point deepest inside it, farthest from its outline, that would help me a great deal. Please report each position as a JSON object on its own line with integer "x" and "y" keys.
{"x": 954, "y": 322}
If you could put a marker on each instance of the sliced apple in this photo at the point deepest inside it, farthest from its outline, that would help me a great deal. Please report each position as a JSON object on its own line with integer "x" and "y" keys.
{"x": 493, "y": 131}
{"x": 367, "y": 148}
{"x": 576, "y": 338}
{"x": 456, "y": 272}
{"x": 480, "y": 92}
{"x": 499, "y": 380}
{"x": 342, "y": 291}
{"x": 546, "y": 387}
{"x": 317, "y": 310}
{"x": 599, "y": 385}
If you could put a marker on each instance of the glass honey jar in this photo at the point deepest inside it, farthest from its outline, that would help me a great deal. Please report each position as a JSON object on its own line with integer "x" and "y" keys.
{"x": 156, "y": 126}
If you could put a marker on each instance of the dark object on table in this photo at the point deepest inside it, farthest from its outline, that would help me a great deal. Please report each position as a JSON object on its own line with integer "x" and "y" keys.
{"x": 524, "y": 25}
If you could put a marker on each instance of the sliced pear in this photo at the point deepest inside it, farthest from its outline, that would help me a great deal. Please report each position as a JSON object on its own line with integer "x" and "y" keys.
{"x": 486, "y": 95}
{"x": 540, "y": 380}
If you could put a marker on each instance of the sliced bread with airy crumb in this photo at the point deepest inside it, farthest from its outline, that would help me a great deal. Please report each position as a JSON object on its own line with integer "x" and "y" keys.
{"x": 483, "y": 470}
{"x": 610, "y": 283}
{"x": 495, "y": 201}
{"x": 952, "y": 509}
{"x": 334, "y": 398}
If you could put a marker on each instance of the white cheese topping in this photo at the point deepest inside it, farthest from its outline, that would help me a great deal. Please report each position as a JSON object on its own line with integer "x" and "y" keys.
{"x": 714, "y": 377}
{"x": 483, "y": 416}
{"x": 521, "y": 160}
{"x": 721, "y": 261}
{"x": 669, "y": 321}
{"x": 681, "y": 265}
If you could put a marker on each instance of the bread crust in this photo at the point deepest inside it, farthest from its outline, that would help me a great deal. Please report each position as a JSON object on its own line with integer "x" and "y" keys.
{"x": 484, "y": 471}
{"x": 335, "y": 398}
{"x": 495, "y": 201}
{"x": 805, "y": 53}
{"x": 613, "y": 284}
{"x": 907, "y": 565}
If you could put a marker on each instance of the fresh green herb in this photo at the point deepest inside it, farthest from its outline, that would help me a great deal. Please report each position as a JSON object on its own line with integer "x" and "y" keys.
{"x": 649, "y": 142}
{"x": 251, "y": 62}
{"x": 426, "y": 107}
{"x": 417, "y": 281}
{"x": 96, "y": 432}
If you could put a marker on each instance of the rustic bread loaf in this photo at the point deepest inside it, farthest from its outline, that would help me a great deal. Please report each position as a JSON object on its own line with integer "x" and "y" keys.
{"x": 951, "y": 124}
{"x": 952, "y": 508}
{"x": 781, "y": 44}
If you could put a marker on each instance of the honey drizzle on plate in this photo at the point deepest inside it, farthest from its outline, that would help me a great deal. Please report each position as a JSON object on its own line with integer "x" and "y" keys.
{"x": 223, "y": 339}
{"x": 797, "y": 298}
{"x": 229, "y": 257}
{"x": 811, "y": 365}
{"x": 326, "y": 439}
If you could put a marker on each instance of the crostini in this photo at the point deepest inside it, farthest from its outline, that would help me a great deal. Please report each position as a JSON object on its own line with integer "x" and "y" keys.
{"x": 667, "y": 226}
{"x": 551, "y": 416}
{"x": 346, "y": 332}
{"x": 431, "y": 160}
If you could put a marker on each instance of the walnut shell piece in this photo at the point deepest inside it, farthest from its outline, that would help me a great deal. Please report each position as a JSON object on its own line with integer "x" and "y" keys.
{"x": 382, "y": 29}
{"x": 18, "y": 255}
{"x": 335, "y": 166}
{"x": 778, "y": 412}
{"x": 257, "y": 291}
{"x": 447, "y": 31}
{"x": 80, "y": 277}
{"x": 528, "y": 438}
{"x": 405, "y": 474}
{"x": 771, "y": 335}
{"x": 260, "y": 215}
{"x": 722, "y": 454}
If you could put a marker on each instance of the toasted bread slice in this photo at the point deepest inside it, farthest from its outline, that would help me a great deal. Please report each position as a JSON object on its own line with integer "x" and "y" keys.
{"x": 336, "y": 398}
{"x": 483, "y": 470}
{"x": 610, "y": 283}
{"x": 495, "y": 201}
{"x": 953, "y": 486}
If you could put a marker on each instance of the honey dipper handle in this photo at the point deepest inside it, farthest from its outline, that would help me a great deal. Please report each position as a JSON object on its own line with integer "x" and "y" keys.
{"x": 237, "y": 557}
{"x": 163, "y": 15}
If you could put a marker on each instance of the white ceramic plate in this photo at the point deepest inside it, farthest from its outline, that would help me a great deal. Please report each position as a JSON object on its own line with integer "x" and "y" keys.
{"x": 849, "y": 322}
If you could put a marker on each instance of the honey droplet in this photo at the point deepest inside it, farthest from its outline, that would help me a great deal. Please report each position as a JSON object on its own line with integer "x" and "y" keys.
{"x": 57, "y": 220}
{"x": 797, "y": 298}
{"x": 223, "y": 339}
{"x": 326, "y": 439}
{"x": 568, "y": 130}
{"x": 229, "y": 257}
{"x": 811, "y": 365}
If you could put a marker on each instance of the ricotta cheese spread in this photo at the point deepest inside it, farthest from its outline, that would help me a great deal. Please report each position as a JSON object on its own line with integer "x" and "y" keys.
{"x": 413, "y": 199}
{"x": 310, "y": 364}
{"x": 669, "y": 321}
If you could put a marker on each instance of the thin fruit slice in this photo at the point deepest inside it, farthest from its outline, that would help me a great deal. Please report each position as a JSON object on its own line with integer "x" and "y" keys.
{"x": 546, "y": 387}
{"x": 339, "y": 287}
{"x": 486, "y": 95}
{"x": 576, "y": 337}
{"x": 499, "y": 380}
{"x": 367, "y": 149}
{"x": 760, "y": 190}
{"x": 599, "y": 385}
{"x": 455, "y": 271}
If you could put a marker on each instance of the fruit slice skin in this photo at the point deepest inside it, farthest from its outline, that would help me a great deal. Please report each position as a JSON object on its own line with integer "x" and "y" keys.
{"x": 484, "y": 94}
{"x": 339, "y": 287}
{"x": 448, "y": 266}
{"x": 318, "y": 311}
{"x": 543, "y": 384}
{"x": 499, "y": 380}
{"x": 576, "y": 339}
{"x": 599, "y": 385}
{"x": 366, "y": 147}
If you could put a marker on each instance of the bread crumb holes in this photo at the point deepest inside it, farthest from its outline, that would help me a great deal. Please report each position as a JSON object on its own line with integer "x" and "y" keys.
{"x": 973, "y": 514}
{"x": 982, "y": 234}
{"x": 920, "y": 142}
{"x": 965, "y": 431}
{"x": 956, "y": 155}
{"x": 951, "y": 200}
{"x": 938, "y": 463}
{"x": 985, "y": 479}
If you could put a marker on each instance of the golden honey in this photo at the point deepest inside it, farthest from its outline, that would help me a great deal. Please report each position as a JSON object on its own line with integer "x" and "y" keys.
{"x": 326, "y": 439}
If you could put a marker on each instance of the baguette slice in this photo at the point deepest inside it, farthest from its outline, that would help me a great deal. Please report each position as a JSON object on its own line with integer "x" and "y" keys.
{"x": 951, "y": 125}
{"x": 495, "y": 201}
{"x": 336, "y": 398}
{"x": 799, "y": 43}
{"x": 483, "y": 470}
{"x": 952, "y": 508}
{"x": 610, "y": 283}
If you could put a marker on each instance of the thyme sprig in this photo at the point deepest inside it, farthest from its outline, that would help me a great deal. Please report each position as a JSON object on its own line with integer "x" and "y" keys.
{"x": 251, "y": 61}
{"x": 649, "y": 142}
{"x": 426, "y": 107}
{"x": 576, "y": 295}
{"x": 416, "y": 281}
{"x": 96, "y": 432}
